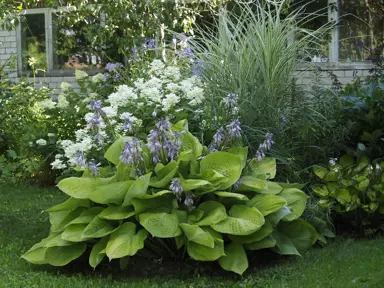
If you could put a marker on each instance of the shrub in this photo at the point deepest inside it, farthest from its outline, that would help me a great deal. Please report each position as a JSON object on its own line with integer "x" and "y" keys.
{"x": 354, "y": 189}
{"x": 171, "y": 197}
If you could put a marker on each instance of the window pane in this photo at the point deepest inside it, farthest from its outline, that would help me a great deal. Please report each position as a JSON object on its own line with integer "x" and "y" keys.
{"x": 361, "y": 28}
{"x": 33, "y": 43}
{"x": 75, "y": 45}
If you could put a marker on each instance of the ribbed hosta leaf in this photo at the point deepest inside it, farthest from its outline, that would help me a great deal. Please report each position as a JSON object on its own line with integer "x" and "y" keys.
{"x": 214, "y": 212}
{"x": 60, "y": 219}
{"x": 164, "y": 175}
{"x": 241, "y": 152}
{"x": 81, "y": 188}
{"x": 57, "y": 241}
{"x": 263, "y": 232}
{"x": 74, "y": 233}
{"x": 296, "y": 202}
{"x": 117, "y": 213}
{"x": 235, "y": 258}
{"x": 192, "y": 184}
{"x": 243, "y": 220}
{"x": 138, "y": 188}
{"x": 61, "y": 256}
{"x": 253, "y": 184}
{"x": 70, "y": 204}
{"x": 148, "y": 202}
{"x": 237, "y": 196}
{"x": 275, "y": 218}
{"x": 203, "y": 253}
{"x": 160, "y": 224}
{"x": 98, "y": 252}
{"x": 267, "y": 204}
{"x": 98, "y": 228}
{"x": 267, "y": 167}
{"x": 125, "y": 241}
{"x": 267, "y": 242}
{"x": 87, "y": 216}
{"x": 195, "y": 234}
{"x": 113, "y": 193}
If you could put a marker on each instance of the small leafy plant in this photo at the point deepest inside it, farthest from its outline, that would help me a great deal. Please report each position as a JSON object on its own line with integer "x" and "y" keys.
{"x": 173, "y": 197}
{"x": 353, "y": 188}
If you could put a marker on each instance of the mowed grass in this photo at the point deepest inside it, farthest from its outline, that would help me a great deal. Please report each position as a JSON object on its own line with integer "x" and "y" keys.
{"x": 343, "y": 263}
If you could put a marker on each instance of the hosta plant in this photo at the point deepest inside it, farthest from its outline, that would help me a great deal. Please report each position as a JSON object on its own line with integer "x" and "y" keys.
{"x": 172, "y": 197}
{"x": 353, "y": 188}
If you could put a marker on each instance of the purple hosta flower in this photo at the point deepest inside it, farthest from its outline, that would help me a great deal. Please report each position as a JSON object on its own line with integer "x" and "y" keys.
{"x": 116, "y": 76}
{"x": 237, "y": 184}
{"x": 79, "y": 159}
{"x": 265, "y": 146}
{"x": 188, "y": 202}
{"x": 284, "y": 119}
{"x": 163, "y": 125}
{"x": 98, "y": 139}
{"x": 113, "y": 66}
{"x": 128, "y": 125}
{"x": 176, "y": 188}
{"x": 218, "y": 138}
{"x": 234, "y": 130}
{"x": 105, "y": 76}
{"x": 172, "y": 148}
{"x": 187, "y": 52}
{"x": 231, "y": 100}
{"x": 154, "y": 114}
{"x": 131, "y": 154}
{"x": 360, "y": 44}
{"x": 197, "y": 68}
{"x": 95, "y": 121}
{"x": 95, "y": 105}
{"x": 94, "y": 168}
{"x": 154, "y": 146}
{"x": 150, "y": 43}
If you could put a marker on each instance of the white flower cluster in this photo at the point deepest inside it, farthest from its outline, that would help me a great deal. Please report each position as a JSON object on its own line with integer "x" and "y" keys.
{"x": 80, "y": 75}
{"x": 41, "y": 142}
{"x": 46, "y": 104}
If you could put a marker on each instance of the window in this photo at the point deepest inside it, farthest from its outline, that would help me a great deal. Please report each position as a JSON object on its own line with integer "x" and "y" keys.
{"x": 53, "y": 45}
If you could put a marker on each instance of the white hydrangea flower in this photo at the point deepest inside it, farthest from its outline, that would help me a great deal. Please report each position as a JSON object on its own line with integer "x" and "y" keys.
{"x": 65, "y": 86}
{"x": 196, "y": 95}
{"x": 170, "y": 101}
{"x": 46, "y": 104}
{"x": 109, "y": 111}
{"x": 98, "y": 78}
{"x": 172, "y": 87}
{"x": 58, "y": 165}
{"x": 41, "y": 142}
{"x": 65, "y": 143}
{"x": 62, "y": 101}
{"x": 80, "y": 75}
{"x": 156, "y": 67}
{"x": 139, "y": 84}
{"x": 152, "y": 94}
{"x": 122, "y": 96}
{"x": 171, "y": 73}
{"x": 80, "y": 134}
{"x": 59, "y": 156}
{"x": 154, "y": 82}
{"x": 51, "y": 134}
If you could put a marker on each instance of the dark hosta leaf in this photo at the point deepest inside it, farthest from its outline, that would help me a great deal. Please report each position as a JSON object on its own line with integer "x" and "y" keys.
{"x": 343, "y": 196}
{"x": 195, "y": 234}
{"x": 241, "y": 152}
{"x": 243, "y": 220}
{"x": 320, "y": 190}
{"x": 203, "y": 253}
{"x": 181, "y": 214}
{"x": 224, "y": 163}
{"x": 81, "y": 188}
{"x": 114, "y": 151}
{"x": 98, "y": 228}
{"x": 74, "y": 233}
{"x": 125, "y": 241}
{"x": 159, "y": 224}
{"x": 267, "y": 167}
{"x": 249, "y": 183}
{"x": 214, "y": 212}
{"x": 275, "y": 218}
{"x": 60, "y": 219}
{"x": 263, "y": 232}
{"x": 138, "y": 188}
{"x": 296, "y": 202}
{"x": 87, "y": 216}
{"x": 113, "y": 193}
{"x": 164, "y": 176}
{"x": 347, "y": 161}
{"x": 237, "y": 196}
{"x": 267, "y": 242}
{"x": 235, "y": 259}
{"x": 61, "y": 256}
{"x": 148, "y": 202}
{"x": 117, "y": 213}
{"x": 70, "y": 204}
{"x": 98, "y": 252}
{"x": 267, "y": 204}
{"x": 320, "y": 171}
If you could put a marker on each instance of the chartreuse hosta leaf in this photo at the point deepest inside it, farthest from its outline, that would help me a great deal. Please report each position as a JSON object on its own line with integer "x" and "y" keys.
{"x": 125, "y": 241}
{"x": 81, "y": 188}
{"x": 242, "y": 220}
{"x": 296, "y": 202}
{"x": 138, "y": 188}
{"x": 161, "y": 224}
{"x": 164, "y": 175}
{"x": 235, "y": 258}
{"x": 62, "y": 255}
{"x": 117, "y": 212}
{"x": 113, "y": 193}
{"x": 320, "y": 171}
{"x": 57, "y": 241}
{"x": 274, "y": 218}
{"x": 70, "y": 204}
{"x": 74, "y": 233}
{"x": 147, "y": 202}
{"x": 194, "y": 216}
{"x": 214, "y": 212}
{"x": 266, "y": 242}
{"x": 252, "y": 184}
{"x": 241, "y": 152}
{"x": 266, "y": 167}
{"x": 99, "y": 228}
{"x": 320, "y": 190}
{"x": 87, "y": 216}
{"x": 114, "y": 151}
{"x": 224, "y": 163}
{"x": 267, "y": 204}
{"x": 203, "y": 253}
{"x": 191, "y": 143}
{"x": 195, "y": 234}
{"x": 273, "y": 188}
{"x": 192, "y": 184}
{"x": 290, "y": 185}
{"x": 263, "y": 232}
{"x": 98, "y": 252}
{"x": 293, "y": 238}
{"x": 237, "y": 196}
{"x": 60, "y": 219}
{"x": 36, "y": 255}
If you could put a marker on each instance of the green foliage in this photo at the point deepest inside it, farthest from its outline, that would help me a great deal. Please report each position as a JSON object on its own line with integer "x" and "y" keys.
{"x": 135, "y": 216}
{"x": 354, "y": 189}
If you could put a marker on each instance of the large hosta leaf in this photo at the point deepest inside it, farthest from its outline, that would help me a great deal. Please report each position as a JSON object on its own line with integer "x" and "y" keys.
{"x": 60, "y": 219}
{"x": 113, "y": 193}
{"x": 195, "y": 234}
{"x": 250, "y": 183}
{"x": 99, "y": 228}
{"x": 192, "y": 184}
{"x": 161, "y": 199}
{"x": 160, "y": 224}
{"x": 61, "y": 256}
{"x": 226, "y": 164}
{"x": 70, "y": 204}
{"x": 164, "y": 175}
{"x": 320, "y": 190}
{"x": 138, "y": 188}
{"x": 243, "y": 220}
{"x": 36, "y": 256}
{"x": 81, "y": 188}
{"x": 237, "y": 196}
{"x": 98, "y": 252}
{"x": 214, "y": 212}
{"x": 114, "y": 151}
{"x": 203, "y": 253}
{"x": 117, "y": 212}
{"x": 267, "y": 242}
{"x": 263, "y": 232}
{"x": 87, "y": 216}
{"x": 320, "y": 171}
{"x": 241, "y": 152}
{"x": 273, "y": 188}
{"x": 275, "y": 218}
{"x": 296, "y": 202}
{"x": 235, "y": 259}
{"x": 57, "y": 241}
{"x": 191, "y": 143}
{"x": 267, "y": 167}
{"x": 267, "y": 204}
{"x": 125, "y": 241}
{"x": 74, "y": 233}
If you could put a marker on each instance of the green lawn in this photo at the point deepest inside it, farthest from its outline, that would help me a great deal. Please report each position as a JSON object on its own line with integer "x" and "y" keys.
{"x": 343, "y": 263}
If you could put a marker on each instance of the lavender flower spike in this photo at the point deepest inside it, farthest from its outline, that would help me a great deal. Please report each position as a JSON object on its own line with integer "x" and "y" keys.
{"x": 219, "y": 136}
{"x": 94, "y": 168}
{"x": 95, "y": 105}
{"x": 79, "y": 159}
{"x": 237, "y": 184}
{"x": 234, "y": 129}
{"x": 188, "y": 202}
{"x": 231, "y": 100}
{"x": 176, "y": 188}
{"x": 163, "y": 125}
